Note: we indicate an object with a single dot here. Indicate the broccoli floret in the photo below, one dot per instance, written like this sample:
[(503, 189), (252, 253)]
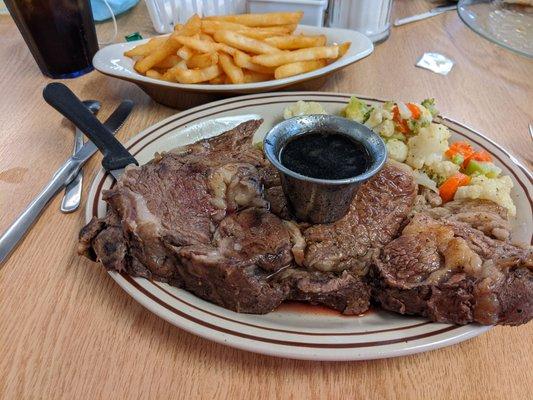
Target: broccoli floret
[(430, 105), (356, 110), (414, 125)]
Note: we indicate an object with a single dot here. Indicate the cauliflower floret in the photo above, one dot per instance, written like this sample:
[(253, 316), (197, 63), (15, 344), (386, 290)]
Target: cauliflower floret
[(356, 110), (421, 178), (425, 115), (385, 129), (375, 118), (428, 145), (496, 189), (397, 150), (441, 170), (380, 121), (303, 108)]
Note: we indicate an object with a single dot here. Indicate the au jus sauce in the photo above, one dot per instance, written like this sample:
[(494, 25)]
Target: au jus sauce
[(325, 155)]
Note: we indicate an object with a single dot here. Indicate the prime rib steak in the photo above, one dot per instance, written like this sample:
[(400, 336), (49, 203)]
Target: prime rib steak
[(450, 265), (211, 217)]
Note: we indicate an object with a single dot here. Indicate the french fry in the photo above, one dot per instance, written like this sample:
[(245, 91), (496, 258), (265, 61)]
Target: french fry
[(227, 49), (296, 42), (263, 33), (170, 46), (243, 60), (255, 34), (158, 55), (199, 45), (278, 29), (168, 62), (191, 27), (253, 76), (234, 72), (211, 27), (170, 74), (197, 75), (234, 49), (185, 52), (289, 28), (343, 48), (206, 37), (299, 67), (151, 73), (144, 49), (311, 53), (267, 19), (245, 43), (182, 65), (202, 60), (219, 80)]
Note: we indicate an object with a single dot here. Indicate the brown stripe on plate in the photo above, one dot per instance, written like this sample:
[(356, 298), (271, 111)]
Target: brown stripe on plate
[(289, 331), (197, 321)]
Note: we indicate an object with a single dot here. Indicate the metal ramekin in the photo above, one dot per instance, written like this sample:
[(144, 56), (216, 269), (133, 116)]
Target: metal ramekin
[(322, 200)]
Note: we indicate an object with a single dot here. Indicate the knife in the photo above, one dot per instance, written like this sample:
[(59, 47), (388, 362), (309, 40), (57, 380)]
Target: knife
[(65, 174), (116, 157), (428, 14)]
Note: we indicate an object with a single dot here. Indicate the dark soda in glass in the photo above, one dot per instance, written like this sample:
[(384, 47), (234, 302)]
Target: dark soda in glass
[(60, 34)]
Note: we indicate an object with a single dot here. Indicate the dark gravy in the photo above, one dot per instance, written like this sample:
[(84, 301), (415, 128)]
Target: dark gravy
[(325, 155)]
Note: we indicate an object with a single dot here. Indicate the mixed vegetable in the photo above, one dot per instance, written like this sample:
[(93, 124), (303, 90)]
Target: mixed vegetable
[(453, 170)]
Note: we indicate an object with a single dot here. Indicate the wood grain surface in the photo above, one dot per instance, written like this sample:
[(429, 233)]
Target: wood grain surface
[(67, 331)]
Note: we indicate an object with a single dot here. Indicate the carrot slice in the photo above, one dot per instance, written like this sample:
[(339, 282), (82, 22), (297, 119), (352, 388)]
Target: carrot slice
[(449, 187), (415, 111), (400, 123), (481, 155), (463, 148)]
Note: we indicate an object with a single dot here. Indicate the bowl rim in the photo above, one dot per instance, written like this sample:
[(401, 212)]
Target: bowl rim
[(360, 132)]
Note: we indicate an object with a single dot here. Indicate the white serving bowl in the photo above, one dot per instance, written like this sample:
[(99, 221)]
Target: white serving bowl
[(111, 61)]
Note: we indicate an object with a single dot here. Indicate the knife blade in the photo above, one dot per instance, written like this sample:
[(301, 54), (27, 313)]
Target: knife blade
[(65, 174), (116, 157), (428, 14), (116, 173)]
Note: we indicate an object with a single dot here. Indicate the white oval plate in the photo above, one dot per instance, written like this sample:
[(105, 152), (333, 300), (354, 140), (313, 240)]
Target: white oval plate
[(294, 331), (111, 61)]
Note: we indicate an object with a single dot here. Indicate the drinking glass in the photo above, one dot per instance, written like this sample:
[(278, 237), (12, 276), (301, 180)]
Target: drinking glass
[(370, 17), (59, 33)]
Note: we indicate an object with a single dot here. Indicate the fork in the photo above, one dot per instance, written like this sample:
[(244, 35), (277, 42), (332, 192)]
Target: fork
[(72, 197)]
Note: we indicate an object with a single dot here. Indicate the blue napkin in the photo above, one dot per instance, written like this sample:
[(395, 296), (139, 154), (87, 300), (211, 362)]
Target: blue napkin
[(101, 12)]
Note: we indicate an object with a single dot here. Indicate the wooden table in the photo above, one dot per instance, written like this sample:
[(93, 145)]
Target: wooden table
[(68, 331)]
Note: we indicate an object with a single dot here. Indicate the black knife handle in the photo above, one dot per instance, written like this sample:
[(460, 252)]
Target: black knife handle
[(63, 100)]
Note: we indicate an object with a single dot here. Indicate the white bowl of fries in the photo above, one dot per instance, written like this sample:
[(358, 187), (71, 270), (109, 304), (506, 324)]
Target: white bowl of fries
[(227, 55)]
